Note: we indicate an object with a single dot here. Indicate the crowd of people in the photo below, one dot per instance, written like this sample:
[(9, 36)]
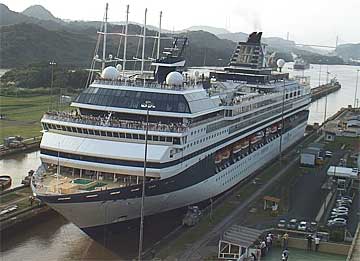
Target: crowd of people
[(114, 122)]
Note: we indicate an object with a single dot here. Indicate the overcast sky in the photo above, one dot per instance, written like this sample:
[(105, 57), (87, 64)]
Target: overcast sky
[(307, 21)]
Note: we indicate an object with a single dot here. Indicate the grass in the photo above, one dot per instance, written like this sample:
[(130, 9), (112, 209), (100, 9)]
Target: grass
[(23, 115)]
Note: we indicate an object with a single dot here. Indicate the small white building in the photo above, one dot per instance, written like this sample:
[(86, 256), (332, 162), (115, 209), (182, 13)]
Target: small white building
[(308, 157)]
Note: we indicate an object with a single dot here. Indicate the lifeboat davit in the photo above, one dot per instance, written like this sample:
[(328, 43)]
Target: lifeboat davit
[(5, 182), (226, 154), (237, 148), (218, 159)]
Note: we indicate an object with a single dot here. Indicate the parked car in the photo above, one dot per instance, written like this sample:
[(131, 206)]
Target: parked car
[(339, 216), (341, 209), (282, 223), (337, 222), (339, 213), (328, 154), (303, 225), (313, 226), (292, 224)]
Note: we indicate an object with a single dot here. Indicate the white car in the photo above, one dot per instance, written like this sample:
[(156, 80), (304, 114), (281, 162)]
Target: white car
[(341, 209), (302, 226), (282, 223)]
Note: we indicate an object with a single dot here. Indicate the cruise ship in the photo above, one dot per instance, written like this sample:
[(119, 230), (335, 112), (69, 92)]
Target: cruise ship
[(202, 137)]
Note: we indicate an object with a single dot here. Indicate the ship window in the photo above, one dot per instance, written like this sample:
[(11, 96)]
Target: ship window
[(291, 95), (116, 134), (73, 129), (97, 132), (109, 134), (142, 137), (68, 129), (149, 137), (63, 128), (168, 139), (298, 92), (136, 136), (287, 96), (176, 140), (128, 135), (85, 131), (122, 135), (162, 138), (133, 99), (80, 130), (156, 138)]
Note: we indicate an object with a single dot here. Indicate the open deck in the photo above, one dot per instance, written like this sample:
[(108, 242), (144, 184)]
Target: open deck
[(47, 181)]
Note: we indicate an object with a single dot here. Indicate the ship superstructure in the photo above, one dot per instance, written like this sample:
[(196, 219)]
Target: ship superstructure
[(201, 141)]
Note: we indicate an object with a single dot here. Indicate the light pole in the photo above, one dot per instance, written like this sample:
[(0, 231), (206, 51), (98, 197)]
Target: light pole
[(280, 63), (52, 63), (282, 121), (356, 86), (320, 73), (148, 105), (327, 82)]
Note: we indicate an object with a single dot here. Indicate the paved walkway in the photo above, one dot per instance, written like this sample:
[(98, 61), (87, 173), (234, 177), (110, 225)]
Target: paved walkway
[(302, 255), (355, 255)]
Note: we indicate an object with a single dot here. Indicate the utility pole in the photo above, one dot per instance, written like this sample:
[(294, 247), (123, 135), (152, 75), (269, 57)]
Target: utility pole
[(148, 105), (356, 86), (52, 63)]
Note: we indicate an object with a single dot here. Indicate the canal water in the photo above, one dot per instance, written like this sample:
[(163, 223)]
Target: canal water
[(53, 238)]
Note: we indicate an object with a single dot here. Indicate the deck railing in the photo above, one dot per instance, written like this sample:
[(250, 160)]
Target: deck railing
[(114, 122)]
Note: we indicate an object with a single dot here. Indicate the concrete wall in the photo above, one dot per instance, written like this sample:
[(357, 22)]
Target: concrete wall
[(325, 247)]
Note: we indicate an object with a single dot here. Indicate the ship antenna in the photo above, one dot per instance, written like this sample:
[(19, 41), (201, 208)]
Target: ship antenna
[(105, 32), (125, 39), (159, 35), (58, 170), (143, 47)]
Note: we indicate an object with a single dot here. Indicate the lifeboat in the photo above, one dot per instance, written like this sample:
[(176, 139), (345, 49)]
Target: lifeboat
[(273, 129), (253, 139), (245, 144), (226, 155), (5, 182), (237, 148), (218, 159)]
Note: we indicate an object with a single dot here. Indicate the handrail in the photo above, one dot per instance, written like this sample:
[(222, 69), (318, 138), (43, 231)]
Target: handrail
[(115, 123)]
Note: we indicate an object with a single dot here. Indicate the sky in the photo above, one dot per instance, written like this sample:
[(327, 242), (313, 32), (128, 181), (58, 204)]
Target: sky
[(307, 21)]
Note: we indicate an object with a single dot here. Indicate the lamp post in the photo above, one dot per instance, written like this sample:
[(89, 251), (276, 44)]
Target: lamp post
[(280, 63), (320, 73), (327, 82), (52, 63), (356, 86), (148, 105)]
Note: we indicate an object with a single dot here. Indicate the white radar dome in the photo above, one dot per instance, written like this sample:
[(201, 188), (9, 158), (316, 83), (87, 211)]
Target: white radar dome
[(118, 67), (174, 78), (280, 63), (110, 73)]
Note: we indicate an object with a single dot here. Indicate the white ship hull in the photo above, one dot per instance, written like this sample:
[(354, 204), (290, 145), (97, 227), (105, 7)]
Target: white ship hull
[(98, 213)]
